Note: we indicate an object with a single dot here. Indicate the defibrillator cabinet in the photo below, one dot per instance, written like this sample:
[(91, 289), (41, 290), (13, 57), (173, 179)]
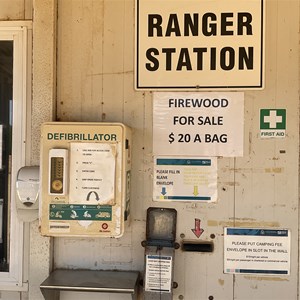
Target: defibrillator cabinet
[(85, 179)]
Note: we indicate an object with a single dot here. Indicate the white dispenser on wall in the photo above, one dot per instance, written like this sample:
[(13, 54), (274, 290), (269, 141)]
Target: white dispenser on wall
[(27, 190), (85, 179)]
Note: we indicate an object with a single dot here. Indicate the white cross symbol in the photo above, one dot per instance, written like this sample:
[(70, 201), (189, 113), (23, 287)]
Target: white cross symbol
[(273, 119)]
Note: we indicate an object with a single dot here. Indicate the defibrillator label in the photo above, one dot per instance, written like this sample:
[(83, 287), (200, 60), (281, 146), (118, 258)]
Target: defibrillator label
[(81, 136)]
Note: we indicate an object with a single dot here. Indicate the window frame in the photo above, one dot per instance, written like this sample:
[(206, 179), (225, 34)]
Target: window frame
[(20, 33)]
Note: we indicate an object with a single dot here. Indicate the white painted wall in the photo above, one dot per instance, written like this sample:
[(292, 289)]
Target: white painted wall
[(43, 109), (95, 83), (95, 62)]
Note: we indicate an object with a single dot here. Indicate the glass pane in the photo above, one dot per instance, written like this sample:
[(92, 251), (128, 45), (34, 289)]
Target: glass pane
[(6, 88)]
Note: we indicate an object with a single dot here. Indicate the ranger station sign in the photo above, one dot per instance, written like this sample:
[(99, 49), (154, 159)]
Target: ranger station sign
[(199, 44)]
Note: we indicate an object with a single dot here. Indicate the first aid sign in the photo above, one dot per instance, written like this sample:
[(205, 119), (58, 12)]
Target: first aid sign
[(207, 44)]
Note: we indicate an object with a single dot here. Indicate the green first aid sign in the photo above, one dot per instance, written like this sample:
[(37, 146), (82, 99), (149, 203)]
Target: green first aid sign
[(272, 118), (272, 123)]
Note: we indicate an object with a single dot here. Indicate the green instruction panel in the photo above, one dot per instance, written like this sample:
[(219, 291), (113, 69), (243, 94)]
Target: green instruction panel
[(80, 212)]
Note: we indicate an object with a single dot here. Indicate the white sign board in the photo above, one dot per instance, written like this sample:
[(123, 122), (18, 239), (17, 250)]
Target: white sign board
[(92, 173), (158, 277), (257, 251), (199, 44), (185, 179), (198, 124)]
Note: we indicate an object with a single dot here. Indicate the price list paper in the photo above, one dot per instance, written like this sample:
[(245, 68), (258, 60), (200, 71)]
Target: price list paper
[(205, 124)]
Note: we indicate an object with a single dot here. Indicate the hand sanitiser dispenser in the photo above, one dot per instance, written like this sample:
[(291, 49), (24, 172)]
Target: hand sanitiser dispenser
[(85, 179), (27, 189)]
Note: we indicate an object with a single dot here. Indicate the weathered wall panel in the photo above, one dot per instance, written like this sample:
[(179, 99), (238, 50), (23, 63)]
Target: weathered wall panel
[(268, 174), (43, 109), (15, 10), (79, 91), (95, 83)]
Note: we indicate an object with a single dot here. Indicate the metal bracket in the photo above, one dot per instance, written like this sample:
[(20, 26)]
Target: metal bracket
[(124, 282)]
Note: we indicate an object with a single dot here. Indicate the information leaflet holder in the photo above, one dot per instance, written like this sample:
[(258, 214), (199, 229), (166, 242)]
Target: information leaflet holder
[(85, 179), (160, 248)]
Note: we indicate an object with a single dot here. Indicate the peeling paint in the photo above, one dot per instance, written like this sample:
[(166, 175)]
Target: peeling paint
[(246, 223), (242, 219), (278, 205), (221, 282), (191, 206), (250, 142), (265, 278), (231, 183), (212, 223), (274, 170), (254, 287), (243, 170), (78, 240), (254, 170)]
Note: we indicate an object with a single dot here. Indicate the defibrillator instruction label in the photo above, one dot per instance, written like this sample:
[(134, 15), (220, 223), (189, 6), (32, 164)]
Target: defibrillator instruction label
[(80, 212), (257, 251), (92, 173)]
